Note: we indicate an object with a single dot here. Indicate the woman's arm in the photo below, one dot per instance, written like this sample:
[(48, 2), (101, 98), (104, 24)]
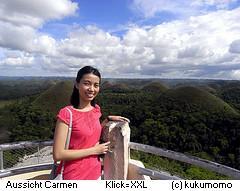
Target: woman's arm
[(59, 151)]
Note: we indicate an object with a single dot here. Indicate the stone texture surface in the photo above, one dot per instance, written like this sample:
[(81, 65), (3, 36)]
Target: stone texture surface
[(116, 161), (133, 170)]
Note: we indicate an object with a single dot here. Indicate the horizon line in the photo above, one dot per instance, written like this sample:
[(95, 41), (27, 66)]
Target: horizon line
[(122, 78)]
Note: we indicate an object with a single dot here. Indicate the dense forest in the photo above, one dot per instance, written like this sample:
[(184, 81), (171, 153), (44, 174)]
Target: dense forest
[(198, 117)]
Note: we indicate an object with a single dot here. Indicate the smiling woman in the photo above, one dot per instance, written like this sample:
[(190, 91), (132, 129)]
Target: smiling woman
[(88, 87), (81, 158)]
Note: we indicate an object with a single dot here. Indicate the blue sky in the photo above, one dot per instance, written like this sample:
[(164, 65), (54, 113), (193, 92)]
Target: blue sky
[(122, 38)]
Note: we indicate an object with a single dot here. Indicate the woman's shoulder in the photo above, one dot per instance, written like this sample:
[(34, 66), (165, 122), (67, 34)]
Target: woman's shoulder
[(97, 107), (65, 110), (64, 114)]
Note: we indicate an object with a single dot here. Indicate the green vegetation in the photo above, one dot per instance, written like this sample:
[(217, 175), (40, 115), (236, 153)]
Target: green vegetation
[(4, 103), (18, 88), (155, 87), (55, 97), (200, 118), (196, 97), (175, 168)]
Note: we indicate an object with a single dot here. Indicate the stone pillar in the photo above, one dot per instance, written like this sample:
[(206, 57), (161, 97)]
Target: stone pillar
[(115, 162), (133, 171)]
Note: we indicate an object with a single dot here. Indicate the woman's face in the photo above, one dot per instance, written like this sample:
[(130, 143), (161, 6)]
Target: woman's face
[(88, 87)]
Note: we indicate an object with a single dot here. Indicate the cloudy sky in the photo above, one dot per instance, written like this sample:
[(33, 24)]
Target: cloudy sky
[(122, 38)]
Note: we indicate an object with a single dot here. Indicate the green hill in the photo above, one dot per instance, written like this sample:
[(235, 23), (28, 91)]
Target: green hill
[(16, 89), (155, 87), (198, 98), (185, 119), (231, 95), (209, 89), (55, 97), (115, 87)]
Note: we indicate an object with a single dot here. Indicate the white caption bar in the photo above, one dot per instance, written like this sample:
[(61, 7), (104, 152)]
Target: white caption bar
[(121, 185)]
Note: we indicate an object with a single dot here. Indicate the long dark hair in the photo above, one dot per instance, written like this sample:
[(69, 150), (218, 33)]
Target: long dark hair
[(75, 94)]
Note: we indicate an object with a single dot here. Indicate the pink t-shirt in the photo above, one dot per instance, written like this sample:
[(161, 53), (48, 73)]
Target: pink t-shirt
[(86, 132)]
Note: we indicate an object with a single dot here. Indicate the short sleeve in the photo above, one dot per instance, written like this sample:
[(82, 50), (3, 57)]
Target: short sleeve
[(97, 107), (64, 115), (98, 110)]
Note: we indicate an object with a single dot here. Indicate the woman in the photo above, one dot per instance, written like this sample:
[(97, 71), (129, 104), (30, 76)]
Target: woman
[(81, 159)]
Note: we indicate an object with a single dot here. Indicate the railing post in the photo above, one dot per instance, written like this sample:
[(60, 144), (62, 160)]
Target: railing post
[(1, 160), (38, 154), (116, 161)]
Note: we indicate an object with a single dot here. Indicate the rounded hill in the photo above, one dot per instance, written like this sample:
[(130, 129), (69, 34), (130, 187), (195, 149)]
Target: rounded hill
[(55, 97), (208, 89), (232, 96), (115, 87), (199, 99), (155, 87)]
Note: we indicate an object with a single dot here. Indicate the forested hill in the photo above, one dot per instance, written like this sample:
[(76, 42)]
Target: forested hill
[(200, 117)]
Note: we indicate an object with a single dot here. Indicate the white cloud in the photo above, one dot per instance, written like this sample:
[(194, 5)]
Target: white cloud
[(219, 4), (16, 37), (200, 46), (235, 74), (235, 46), (34, 13), (44, 44), (192, 47), (89, 42), (17, 59), (20, 21), (93, 46), (150, 8), (25, 38)]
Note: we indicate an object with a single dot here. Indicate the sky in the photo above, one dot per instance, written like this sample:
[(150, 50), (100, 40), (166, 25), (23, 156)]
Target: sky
[(122, 38)]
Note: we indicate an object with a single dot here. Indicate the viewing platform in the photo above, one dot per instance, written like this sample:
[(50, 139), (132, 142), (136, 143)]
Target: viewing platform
[(32, 160)]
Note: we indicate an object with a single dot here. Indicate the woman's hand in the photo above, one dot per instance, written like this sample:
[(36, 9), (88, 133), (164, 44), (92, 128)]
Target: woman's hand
[(117, 118), (101, 148)]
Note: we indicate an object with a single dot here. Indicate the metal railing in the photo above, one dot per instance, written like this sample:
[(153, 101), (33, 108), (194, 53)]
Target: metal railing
[(213, 166), (33, 153), (10, 164), (24, 169)]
